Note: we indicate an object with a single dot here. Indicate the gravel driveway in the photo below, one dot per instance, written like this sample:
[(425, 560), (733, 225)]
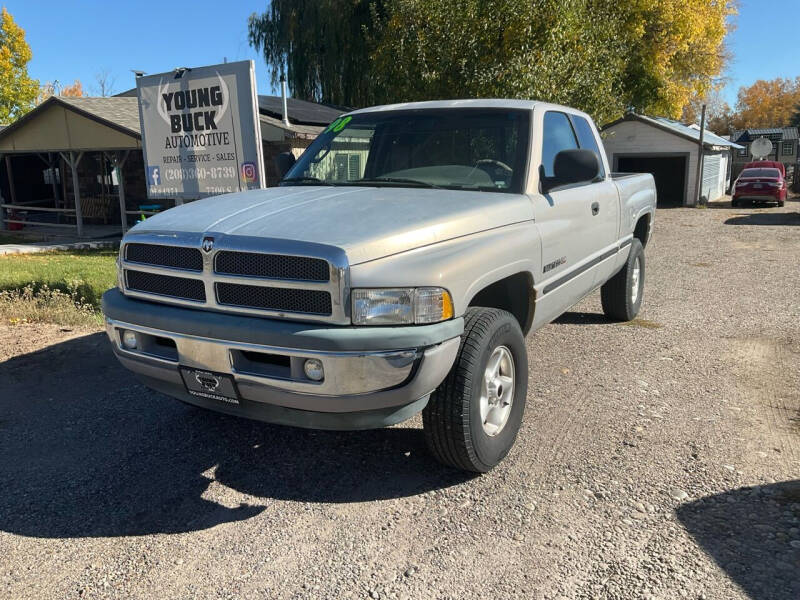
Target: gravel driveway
[(658, 459)]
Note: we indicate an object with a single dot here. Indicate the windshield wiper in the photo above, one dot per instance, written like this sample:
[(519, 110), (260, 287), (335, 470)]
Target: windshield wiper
[(416, 182), (314, 180)]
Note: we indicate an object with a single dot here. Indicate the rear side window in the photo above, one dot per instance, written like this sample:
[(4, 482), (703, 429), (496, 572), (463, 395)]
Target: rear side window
[(586, 139), (557, 135)]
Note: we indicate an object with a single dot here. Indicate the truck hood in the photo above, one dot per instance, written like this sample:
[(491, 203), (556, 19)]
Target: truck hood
[(366, 222)]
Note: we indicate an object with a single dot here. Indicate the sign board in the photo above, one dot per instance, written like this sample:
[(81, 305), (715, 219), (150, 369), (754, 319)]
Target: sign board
[(200, 131)]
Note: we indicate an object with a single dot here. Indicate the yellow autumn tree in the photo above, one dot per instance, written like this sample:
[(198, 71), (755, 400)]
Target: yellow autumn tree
[(767, 103), (677, 51), (17, 90), (75, 90)]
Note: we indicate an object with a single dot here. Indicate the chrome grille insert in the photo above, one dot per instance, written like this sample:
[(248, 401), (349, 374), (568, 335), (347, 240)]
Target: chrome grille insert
[(271, 266), (165, 285), (175, 257)]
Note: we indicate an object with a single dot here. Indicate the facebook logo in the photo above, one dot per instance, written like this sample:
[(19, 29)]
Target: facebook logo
[(154, 175)]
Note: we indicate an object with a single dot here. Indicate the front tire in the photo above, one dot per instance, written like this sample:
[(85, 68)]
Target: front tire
[(621, 295), (472, 419)]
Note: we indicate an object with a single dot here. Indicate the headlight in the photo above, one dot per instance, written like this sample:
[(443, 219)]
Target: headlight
[(401, 306)]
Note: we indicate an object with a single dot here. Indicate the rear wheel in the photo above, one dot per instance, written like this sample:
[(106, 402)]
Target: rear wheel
[(621, 295), (734, 203), (472, 419)]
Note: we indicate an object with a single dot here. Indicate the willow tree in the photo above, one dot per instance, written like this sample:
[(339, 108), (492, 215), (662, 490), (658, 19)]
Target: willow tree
[(321, 45), (17, 90)]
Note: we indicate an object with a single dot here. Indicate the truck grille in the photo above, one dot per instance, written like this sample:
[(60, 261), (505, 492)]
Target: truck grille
[(271, 298), (176, 257), (238, 279), (271, 266), (166, 285)]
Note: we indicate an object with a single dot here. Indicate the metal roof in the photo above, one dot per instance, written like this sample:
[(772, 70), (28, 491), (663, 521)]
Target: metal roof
[(748, 135), (301, 112), (690, 132)]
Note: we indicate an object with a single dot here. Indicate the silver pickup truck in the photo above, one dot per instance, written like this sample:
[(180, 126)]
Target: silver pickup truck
[(396, 269)]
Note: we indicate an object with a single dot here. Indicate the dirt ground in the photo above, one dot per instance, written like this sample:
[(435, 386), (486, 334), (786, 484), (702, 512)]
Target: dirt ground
[(658, 459)]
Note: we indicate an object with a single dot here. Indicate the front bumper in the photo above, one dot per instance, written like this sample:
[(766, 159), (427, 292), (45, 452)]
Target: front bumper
[(373, 376)]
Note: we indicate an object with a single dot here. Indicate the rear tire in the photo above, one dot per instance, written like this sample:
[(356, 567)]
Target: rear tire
[(621, 295), (734, 203), (780, 203), (472, 419)]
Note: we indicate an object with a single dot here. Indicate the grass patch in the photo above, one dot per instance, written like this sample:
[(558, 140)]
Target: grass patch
[(56, 287), (644, 323)]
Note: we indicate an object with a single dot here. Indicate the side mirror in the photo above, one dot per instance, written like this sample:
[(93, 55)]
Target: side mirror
[(283, 162), (572, 166)]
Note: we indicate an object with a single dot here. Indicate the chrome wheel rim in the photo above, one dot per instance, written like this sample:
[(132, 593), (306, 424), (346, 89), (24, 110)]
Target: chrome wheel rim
[(635, 280), (497, 391)]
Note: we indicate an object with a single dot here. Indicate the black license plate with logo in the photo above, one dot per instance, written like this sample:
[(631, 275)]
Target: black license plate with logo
[(207, 384)]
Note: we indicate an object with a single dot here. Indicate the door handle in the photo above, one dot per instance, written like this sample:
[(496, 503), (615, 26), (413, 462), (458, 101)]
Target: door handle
[(595, 208)]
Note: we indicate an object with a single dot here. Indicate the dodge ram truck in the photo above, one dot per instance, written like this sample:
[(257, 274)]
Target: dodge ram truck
[(395, 269)]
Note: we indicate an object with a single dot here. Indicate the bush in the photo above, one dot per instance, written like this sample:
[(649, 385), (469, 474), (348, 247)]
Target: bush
[(42, 304)]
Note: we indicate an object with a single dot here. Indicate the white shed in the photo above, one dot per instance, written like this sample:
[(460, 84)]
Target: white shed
[(669, 150)]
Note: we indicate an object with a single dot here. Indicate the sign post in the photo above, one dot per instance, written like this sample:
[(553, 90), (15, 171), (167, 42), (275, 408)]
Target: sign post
[(200, 131)]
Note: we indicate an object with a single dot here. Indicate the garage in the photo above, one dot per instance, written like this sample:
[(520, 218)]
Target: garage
[(670, 150), (670, 173)]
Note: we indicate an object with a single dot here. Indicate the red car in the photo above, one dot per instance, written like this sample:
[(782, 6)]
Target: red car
[(759, 185)]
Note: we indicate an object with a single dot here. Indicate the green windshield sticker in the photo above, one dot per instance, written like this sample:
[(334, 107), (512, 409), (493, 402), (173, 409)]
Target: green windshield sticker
[(332, 125), (338, 124)]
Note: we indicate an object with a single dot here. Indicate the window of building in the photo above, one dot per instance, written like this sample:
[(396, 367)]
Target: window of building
[(743, 151), (788, 148)]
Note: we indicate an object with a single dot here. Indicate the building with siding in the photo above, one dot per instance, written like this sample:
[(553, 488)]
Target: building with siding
[(670, 151), (76, 161), (784, 147)]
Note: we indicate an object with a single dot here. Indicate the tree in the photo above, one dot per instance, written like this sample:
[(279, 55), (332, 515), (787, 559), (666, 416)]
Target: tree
[(767, 103), (603, 56), (74, 91), (104, 83), (676, 51), (794, 121), (17, 90), (719, 115), (320, 45)]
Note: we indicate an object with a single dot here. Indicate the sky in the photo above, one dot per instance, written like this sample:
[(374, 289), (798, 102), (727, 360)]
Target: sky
[(78, 39)]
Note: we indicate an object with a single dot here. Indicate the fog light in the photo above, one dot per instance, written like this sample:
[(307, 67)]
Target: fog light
[(129, 339), (313, 369)]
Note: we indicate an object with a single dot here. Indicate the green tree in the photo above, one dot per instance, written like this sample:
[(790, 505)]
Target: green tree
[(603, 56), (321, 45), (17, 90)]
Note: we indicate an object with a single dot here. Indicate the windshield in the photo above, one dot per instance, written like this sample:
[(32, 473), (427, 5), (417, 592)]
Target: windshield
[(760, 173), (472, 149)]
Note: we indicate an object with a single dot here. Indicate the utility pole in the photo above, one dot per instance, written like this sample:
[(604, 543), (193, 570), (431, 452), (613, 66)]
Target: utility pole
[(699, 179)]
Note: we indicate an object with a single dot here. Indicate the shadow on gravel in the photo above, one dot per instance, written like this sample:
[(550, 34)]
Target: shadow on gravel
[(764, 218), (582, 318), (86, 451), (752, 534)]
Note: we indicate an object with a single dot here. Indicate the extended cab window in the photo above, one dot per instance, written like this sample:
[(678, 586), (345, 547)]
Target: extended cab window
[(472, 149), (586, 139), (557, 135)]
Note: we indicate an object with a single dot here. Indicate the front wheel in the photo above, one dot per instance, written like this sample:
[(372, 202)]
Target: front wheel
[(621, 295), (472, 419)]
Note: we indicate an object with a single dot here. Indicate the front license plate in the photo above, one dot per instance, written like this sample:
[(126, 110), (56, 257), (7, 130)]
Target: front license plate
[(206, 384)]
